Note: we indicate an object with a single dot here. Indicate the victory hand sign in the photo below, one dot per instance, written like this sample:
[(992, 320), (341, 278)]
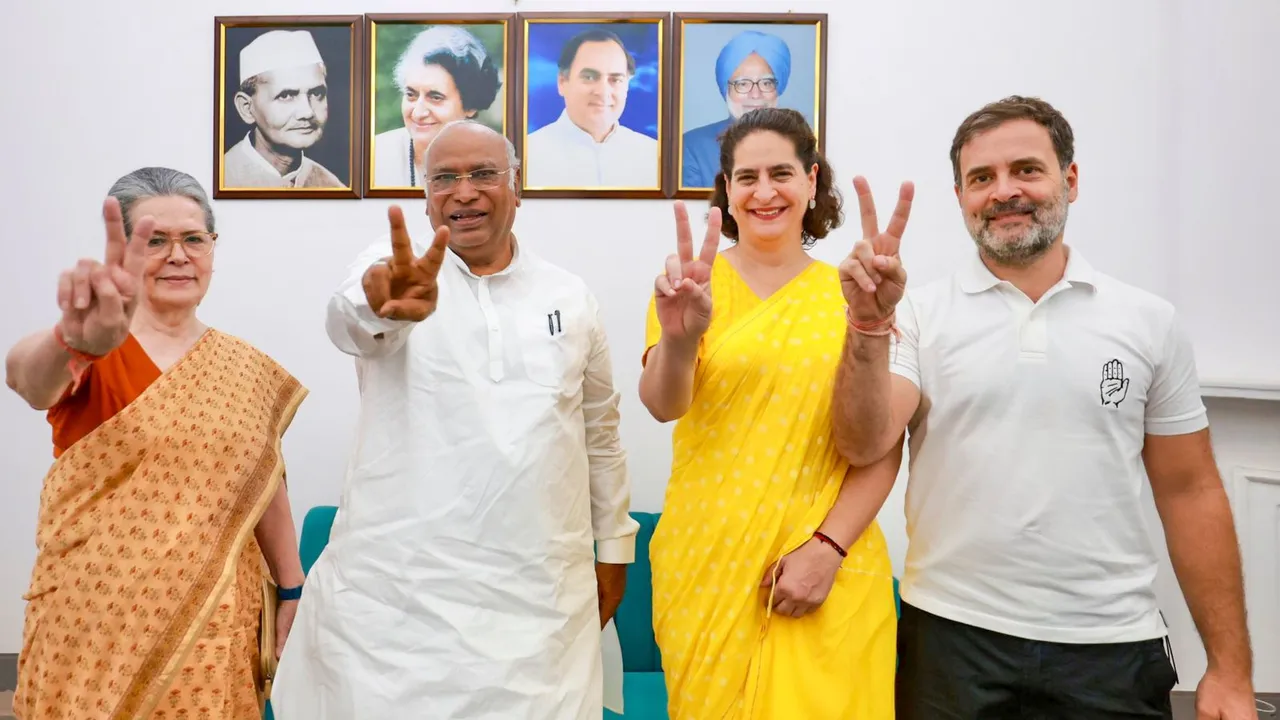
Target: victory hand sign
[(403, 287), (98, 299), (683, 292), (872, 277)]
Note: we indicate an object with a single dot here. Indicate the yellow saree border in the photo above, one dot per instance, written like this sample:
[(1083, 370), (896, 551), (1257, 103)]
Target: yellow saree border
[(187, 625)]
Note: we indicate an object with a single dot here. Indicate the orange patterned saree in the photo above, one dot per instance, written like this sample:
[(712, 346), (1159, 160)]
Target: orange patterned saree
[(147, 594)]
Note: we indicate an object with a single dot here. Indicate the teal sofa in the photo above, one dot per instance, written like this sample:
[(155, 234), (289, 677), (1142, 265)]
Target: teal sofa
[(644, 690)]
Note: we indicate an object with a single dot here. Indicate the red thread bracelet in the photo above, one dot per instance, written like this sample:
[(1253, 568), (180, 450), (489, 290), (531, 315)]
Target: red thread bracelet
[(822, 537), (80, 355), (880, 328), (80, 360)]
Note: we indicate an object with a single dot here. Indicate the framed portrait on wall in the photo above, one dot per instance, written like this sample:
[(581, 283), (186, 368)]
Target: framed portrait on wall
[(425, 71), (592, 104), (729, 64), (286, 94)]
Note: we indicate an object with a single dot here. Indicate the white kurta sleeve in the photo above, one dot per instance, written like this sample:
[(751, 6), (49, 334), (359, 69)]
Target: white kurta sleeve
[(614, 528), (350, 322)]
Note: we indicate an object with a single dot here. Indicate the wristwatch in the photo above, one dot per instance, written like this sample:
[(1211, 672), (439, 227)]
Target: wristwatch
[(293, 593)]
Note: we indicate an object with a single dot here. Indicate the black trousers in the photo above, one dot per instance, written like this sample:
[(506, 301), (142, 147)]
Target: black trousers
[(951, 671)]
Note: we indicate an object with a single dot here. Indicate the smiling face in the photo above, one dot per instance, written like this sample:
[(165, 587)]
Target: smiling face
[(477, 218), (1014, 193), (430, 100), (753, 72), (174, 278), (769, 189), (595, 86)]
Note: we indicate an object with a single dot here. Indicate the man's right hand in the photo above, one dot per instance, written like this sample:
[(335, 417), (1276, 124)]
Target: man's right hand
[(872, 277), (683, 292), (98, 299), (403, 287)]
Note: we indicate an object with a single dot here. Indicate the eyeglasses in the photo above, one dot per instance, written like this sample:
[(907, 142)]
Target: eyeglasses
[(744, 86), (486, 179), (194, 244)]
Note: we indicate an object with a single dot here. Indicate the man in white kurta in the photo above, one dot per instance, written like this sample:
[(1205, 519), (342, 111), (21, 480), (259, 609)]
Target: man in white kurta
[(460, 582)]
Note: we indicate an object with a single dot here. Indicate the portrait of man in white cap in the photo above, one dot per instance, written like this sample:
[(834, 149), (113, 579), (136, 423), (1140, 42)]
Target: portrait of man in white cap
[(284, 97)]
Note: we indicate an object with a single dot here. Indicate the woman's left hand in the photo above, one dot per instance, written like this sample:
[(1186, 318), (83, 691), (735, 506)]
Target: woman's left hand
[(804, 577), (285, 613)]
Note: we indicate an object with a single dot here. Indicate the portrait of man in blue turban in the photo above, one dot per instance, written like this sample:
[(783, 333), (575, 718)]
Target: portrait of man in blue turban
[(752, 71)]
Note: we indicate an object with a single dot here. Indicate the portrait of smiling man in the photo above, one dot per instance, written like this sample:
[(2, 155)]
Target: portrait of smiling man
[(483, 536), (587, 145), (284, 97)]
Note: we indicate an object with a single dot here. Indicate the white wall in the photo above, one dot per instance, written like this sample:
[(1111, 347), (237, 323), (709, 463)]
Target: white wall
[(120, 85)]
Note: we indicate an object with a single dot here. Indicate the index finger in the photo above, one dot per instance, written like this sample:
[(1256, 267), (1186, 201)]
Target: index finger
[(898, 223), (401, 245), (113, 219), (684, 236), (431, 262), (711, 242), (866, 208)]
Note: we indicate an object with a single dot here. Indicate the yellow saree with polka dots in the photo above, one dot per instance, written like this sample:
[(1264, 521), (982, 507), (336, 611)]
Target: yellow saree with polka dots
[(147, 591), (754, 473)]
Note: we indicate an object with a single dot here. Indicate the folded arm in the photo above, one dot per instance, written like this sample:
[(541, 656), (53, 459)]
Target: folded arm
[(666, 382), (861, 496), (37, 369), (874, 398), (614, 528), (351, 324)]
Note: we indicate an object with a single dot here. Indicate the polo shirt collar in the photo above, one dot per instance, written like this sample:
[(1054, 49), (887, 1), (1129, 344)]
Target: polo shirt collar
[(976, 278)]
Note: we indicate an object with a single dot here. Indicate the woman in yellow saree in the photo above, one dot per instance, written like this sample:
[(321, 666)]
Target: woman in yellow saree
[(773, 589), (149, 597)]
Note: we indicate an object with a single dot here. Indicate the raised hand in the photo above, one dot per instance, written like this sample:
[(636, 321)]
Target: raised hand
[(683, 292), (403, 287), (872, 277), (98, 299)]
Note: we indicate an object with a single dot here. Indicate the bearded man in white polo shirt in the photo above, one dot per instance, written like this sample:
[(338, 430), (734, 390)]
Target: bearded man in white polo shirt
[(1035, 391)]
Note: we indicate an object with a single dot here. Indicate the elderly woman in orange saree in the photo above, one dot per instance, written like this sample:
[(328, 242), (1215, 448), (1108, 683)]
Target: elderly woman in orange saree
[(149, 597), (772, 585)]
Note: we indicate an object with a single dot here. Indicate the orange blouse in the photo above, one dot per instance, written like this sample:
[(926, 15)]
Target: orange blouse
[(108, 386)]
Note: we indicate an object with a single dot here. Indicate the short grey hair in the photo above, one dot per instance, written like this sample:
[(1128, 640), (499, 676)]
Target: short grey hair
[(152, 182), (513, 159)]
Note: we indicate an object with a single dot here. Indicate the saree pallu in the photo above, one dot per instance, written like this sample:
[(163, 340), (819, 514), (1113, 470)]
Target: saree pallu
[(754, 473), (146, 596)]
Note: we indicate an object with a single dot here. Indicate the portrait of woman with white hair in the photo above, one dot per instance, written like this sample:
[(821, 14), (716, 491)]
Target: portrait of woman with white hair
[(426, 76)]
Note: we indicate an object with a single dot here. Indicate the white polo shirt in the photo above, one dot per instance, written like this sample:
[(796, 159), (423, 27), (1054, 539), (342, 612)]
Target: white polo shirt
[(1023, 504)]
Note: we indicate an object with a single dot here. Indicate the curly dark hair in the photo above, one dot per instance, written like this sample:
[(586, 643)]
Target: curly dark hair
[(827, 213)]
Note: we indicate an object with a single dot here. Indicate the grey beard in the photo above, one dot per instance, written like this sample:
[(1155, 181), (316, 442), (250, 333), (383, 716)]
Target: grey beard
[(1047, 223)]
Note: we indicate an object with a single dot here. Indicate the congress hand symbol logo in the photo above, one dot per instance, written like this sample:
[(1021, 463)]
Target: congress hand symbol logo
[(1115, 386)]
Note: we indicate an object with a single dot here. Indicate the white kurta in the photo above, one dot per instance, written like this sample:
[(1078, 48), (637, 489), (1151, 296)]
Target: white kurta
[(244, 167), (459, 579), (391, 160), (563, 155)]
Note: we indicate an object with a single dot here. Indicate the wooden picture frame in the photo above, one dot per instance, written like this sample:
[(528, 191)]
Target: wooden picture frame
[(473, 63), (701, 48), (558, 158), (296, 134)]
